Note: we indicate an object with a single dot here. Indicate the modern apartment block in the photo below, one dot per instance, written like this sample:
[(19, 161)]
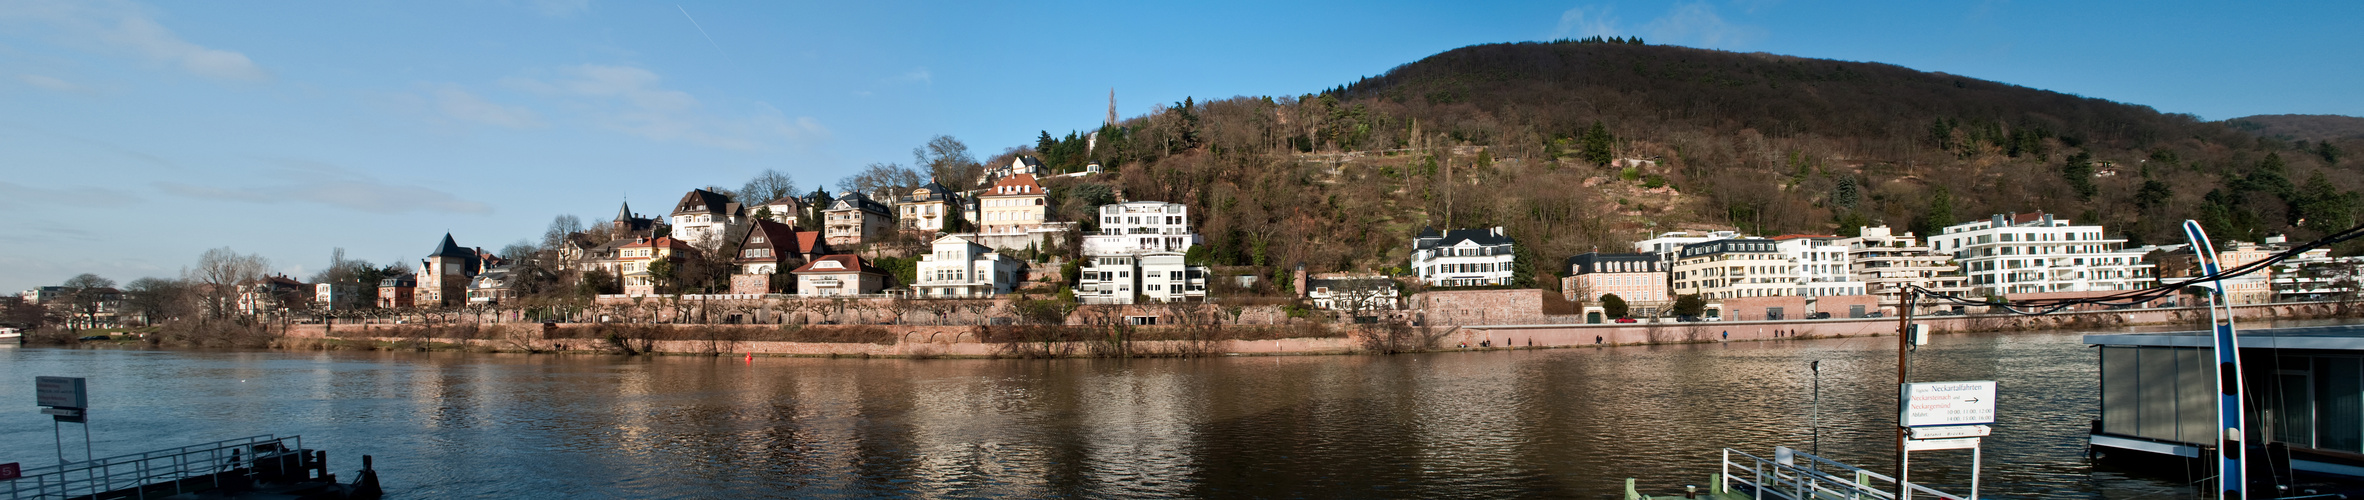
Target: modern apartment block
[(2037, 253), (1886, 263), (1820, 265), (1138, 255)]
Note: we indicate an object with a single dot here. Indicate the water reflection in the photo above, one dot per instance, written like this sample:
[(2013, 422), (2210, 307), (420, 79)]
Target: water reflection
[(1554, 423)]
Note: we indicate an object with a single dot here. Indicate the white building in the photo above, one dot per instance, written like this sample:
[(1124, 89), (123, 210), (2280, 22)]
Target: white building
[(704, 218), (1734, 268), (928, 208), (2036, 253), (1139, 254), (1820, 265), (1354, 293), (1887, 262), (1139, 277), (1141, 226), (1666, 245), (1462, 257), (959, 268)]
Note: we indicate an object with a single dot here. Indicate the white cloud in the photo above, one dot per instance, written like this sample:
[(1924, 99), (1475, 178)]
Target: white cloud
[(124, 27), (1586, 21), (50, 82), (459, 104), (631, 100), (323, 184), (1698, 24), (1694, 24)]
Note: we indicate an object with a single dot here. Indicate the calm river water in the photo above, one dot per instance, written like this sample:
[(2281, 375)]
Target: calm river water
[(1548, 423)]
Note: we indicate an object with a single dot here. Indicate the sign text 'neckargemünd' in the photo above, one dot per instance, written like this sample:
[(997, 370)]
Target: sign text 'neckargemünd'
[(1948, 403)]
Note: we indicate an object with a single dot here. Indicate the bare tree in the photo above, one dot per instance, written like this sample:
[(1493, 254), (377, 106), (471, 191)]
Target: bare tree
[(219, 273), (767, 186), (948, 160), (87, 292), (887, 178), (561, 227)]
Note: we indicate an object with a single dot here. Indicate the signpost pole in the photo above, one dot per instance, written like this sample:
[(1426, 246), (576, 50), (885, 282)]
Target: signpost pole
[(1904, 322), (59, 430), (1976, 456)]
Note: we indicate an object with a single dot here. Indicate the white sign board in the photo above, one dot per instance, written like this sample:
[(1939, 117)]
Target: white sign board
[(1952, 431), (61, 392), (1948, 403), (1940, 444)]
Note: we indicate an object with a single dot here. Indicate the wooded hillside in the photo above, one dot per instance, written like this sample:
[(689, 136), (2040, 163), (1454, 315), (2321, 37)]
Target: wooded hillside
[(1537, 136)]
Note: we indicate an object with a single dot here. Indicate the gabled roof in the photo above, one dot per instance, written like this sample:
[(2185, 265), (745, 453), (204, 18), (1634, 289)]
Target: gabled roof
[(808, 242), (1017, 185), (450, 248), (780, 237), (1489, 237), (855, 201), (700, 201), (929, 192), (840, 263), (1029, 161), (790, 200)]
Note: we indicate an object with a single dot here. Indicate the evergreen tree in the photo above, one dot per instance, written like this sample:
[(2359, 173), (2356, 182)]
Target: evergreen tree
[(1595, 145), (1940, 213), (1614, 306), (2079, 174)]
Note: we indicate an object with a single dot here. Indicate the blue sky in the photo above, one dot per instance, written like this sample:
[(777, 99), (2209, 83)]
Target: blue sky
[(134, 135)]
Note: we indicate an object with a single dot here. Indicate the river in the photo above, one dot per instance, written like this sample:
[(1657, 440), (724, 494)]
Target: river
[(1563, 423)]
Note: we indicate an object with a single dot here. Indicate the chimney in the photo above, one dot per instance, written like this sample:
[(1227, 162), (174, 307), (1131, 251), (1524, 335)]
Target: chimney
[(2002, 220), (1299, 279), (2047, 220)]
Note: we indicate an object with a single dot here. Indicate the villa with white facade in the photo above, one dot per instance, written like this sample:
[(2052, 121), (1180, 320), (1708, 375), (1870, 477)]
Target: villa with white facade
[(1462, 257), (959, 268)]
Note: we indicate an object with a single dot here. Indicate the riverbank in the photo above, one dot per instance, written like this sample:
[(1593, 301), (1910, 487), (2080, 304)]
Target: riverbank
[(1050, 341)]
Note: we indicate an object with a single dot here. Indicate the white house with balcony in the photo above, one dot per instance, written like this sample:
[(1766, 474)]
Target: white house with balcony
[(1141, 226), (1462, 257), (704, 218), (959, 268), (2036, 253), (1139, 255), (1819, 264)]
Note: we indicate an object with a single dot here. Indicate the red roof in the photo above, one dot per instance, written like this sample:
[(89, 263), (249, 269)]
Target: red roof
[(1016, 185), (840, 263), (810, 241), (2019, 218)]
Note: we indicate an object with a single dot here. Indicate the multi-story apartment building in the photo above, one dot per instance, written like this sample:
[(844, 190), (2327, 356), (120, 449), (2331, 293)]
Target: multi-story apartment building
[(1141, 226), (2036, 253), (1463, 257), (2316, 275), (704, 218), (1820, 265), (637, 256), (1139, 254), (1667, 244), (1013, 204), (959, 268), (1637, 278), (1734, 268), (852, 219), (930, 207), (1886, 263)]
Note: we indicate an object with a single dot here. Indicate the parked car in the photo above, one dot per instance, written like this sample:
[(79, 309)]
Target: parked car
[(1687, 319), (1625, 320), (1819, 315)]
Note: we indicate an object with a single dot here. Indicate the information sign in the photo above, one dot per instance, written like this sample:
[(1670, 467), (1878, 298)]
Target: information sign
[(61, 392), (1952, 431), (1948, 403), (11, 470), (1940, 444)]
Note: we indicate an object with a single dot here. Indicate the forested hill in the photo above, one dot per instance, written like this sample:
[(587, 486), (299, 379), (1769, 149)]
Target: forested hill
[(1537, 137)]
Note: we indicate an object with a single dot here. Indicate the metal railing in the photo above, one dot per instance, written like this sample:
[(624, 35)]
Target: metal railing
[(154, 474), (1810, 477)]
